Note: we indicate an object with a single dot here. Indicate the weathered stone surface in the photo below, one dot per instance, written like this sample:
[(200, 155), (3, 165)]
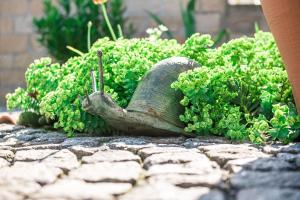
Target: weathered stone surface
[(221, 153), (127, 172), (261, 164), (268, 194), (39, 147), (36, 172), (111, 156), (8, 128), (63, 159), (204, 140), (83, 141), (24, 134), (76, 189), (33, 155), (3, 162), (183, 180), (81, 151), (12, 142), (7, 155), (191, 168), (248, 179), (146, 152), (32, 163), (49, 138), (182, 157), (9, 195), (132, 144), (19, 186), (165, 191), (293, 148)]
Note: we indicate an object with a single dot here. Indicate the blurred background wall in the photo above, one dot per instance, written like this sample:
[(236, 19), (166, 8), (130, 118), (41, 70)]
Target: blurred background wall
[(18, 45)]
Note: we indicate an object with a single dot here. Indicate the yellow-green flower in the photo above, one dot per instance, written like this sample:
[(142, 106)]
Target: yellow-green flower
[(99, 2)]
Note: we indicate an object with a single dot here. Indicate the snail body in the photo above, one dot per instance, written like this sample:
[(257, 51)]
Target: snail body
[(154, 108)]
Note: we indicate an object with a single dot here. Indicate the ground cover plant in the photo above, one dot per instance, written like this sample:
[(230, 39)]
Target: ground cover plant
[(241, 91)]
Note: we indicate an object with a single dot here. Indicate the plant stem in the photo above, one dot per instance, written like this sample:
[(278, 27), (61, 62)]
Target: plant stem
[(113, 35), (120, 31), (89, 35), (75, 50)]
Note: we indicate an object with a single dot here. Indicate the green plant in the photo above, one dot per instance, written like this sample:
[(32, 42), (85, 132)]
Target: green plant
[(241, 91), (188, 17), (67, 25), (58, 89)]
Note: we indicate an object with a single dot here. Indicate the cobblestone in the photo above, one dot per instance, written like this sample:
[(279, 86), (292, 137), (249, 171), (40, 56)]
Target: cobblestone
[(38, 164)]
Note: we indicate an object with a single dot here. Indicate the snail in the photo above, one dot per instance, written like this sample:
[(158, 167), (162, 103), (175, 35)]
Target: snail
[(154, 108)]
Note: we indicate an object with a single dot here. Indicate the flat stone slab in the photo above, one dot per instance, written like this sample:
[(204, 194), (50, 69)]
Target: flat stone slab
[(111, 156), (174, 158), (33, 155), (249, 179), (164, 191), (40, 164), (77, 190), (121, 172), (268, 194), (222, 153), (36, 172), (63, 159)]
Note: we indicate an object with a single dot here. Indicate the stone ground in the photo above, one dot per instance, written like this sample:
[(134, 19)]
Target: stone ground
[(39, 164)]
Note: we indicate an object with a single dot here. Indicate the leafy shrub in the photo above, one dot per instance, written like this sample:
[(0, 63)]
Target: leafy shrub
[(67, 25), (58, 88), (242, 92)]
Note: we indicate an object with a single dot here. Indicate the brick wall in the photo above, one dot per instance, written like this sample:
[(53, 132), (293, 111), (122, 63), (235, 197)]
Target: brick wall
[(18, 45)]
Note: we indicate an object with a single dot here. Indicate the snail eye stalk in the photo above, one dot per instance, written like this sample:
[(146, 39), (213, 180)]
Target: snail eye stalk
[(94, 86), (88, 98), (101, 76)]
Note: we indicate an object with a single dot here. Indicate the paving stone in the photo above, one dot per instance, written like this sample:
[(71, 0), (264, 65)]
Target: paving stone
[(204, 140), (130, 143), (126, 172), (261, 164), (221, 153), (19, 186), (63, 159), (7, 155), (81, 151), (39, 147), (111, 156), (297, 162), (268, 194), (24, 134), (49, 138), (288, 156), (12, 142), (165, 191), (183, 180), (36, 172), (3, 163), (249, 179), (33, 155), (166, 140), (190, 168), (82, 141), (77, 189), (146, 152), (168, 158), (8, 128), (272, 149), (10, 195), (293, 148)]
